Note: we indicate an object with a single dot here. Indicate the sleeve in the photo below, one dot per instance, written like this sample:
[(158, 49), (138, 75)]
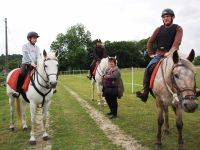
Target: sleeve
[(151, 41), (178, 37), (38, 52), (104, 53), (26, 54), (95, 54), (114, 75)]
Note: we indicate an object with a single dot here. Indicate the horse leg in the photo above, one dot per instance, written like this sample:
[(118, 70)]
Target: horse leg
[(179, 125), (23, 109), (99, 94), (166, 129), (11, 102), (44, 113), (32, 140), (160, 121), (93, 89)]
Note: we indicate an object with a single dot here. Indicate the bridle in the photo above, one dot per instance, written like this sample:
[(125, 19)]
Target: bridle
[(175, 90), (36, 75), (45, 68)]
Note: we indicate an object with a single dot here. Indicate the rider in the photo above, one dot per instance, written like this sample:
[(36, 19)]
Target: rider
[(99, 52), (31, 52), (167, 37)]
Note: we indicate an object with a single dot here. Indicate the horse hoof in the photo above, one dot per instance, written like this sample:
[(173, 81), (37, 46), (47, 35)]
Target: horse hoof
[(12, 129), (157, 146), (45, 138), (32, 142)]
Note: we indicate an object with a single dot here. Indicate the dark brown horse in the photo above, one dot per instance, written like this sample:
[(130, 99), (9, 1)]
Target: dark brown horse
[(174, 85)]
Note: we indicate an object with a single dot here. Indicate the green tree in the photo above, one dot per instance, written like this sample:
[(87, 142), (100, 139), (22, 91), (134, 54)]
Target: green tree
[(73, 48), (197, 61)]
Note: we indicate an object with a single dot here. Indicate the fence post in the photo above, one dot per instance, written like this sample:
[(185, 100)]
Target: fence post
[(132, 79)]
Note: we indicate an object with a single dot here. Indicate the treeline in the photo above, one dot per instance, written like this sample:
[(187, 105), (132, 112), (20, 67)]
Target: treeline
[(75, 48), (75, 51), (13, 61)]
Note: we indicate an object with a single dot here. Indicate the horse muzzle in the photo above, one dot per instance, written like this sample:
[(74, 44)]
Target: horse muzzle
[(53, 84), (189, 104)]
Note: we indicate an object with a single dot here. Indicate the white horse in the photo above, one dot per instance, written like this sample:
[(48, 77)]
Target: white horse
[(40, 91), (100, 71)]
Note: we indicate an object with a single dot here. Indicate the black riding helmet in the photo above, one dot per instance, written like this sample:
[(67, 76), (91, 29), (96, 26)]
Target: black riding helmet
[(32, 34), (168, 11)]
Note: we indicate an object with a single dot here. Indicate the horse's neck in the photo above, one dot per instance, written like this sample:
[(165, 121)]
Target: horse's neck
[(103, 66), (166, 68)]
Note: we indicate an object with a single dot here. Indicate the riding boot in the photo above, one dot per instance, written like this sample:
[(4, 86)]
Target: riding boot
[(146, 81), (92, 66)]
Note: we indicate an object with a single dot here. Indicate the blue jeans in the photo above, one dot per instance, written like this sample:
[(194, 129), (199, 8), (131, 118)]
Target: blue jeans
[(149, 70), (156, 59)]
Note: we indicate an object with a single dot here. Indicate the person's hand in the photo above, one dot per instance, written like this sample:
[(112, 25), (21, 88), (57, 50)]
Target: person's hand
[(33, 65), (166, 54), (153, 55)]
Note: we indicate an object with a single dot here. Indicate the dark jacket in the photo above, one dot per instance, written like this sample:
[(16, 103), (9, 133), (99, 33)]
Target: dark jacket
[(99, 53), (174, 45), (115, 77)]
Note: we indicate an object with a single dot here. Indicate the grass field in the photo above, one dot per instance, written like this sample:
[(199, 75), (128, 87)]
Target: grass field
[(72, 128)]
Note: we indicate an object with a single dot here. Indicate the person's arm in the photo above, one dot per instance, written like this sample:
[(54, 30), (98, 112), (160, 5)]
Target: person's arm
[(151, 41), (104, 53), (27, 55), (95, 54), (178, 37), (114, 75)]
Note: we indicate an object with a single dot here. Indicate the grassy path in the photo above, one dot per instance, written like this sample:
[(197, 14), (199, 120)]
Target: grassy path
[(112, 131), (138, 119)]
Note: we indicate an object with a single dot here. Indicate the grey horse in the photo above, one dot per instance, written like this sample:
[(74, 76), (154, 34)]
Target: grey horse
[(174, 85)]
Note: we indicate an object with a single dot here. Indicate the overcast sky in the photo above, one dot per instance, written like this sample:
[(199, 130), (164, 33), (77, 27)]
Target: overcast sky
[(113, 20)]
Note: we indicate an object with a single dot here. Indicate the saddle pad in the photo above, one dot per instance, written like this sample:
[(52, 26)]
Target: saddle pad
[(95, 69), (153, 75), (12, 82)]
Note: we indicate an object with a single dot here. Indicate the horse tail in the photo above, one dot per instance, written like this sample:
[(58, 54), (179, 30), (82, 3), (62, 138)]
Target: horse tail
[(18, 108)]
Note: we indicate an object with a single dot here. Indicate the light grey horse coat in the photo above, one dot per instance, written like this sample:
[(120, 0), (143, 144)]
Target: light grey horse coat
[(174, 85)]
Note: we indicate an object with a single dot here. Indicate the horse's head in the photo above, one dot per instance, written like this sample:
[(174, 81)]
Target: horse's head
[(183, 81), (50, 67)]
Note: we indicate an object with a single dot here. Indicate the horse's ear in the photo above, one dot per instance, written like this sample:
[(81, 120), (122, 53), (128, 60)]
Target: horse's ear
[(191, 55), (175, 57), (44, 53), (57, 53)]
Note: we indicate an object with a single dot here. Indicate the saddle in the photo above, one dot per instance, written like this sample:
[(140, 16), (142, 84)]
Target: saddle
[(12, 82), (153, 75)]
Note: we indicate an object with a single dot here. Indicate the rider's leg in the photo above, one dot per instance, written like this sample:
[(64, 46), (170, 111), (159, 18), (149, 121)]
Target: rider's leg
[(146, 81), (92, 66), (24, 70)]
